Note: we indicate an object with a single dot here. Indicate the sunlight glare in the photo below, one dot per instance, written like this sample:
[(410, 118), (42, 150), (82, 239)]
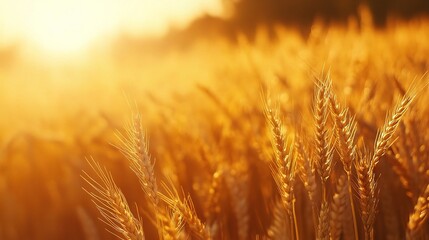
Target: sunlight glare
[(66, 28), (72, 25)]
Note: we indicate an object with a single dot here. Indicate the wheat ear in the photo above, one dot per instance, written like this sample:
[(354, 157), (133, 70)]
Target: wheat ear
[(212, 207), (172, 225), (278, 227), (284, 165), (134, 146), (112, 204), (419, 216), (237, 180), (346, 127), (368, 193), (346, 130), (384, 137), (185, 208), (323, 150), (307, 174), (338, 207), (399, 166), (323, 227)]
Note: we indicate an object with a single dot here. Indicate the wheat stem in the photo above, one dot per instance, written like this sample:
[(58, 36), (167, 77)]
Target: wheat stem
[(295, 220), (352, 205)]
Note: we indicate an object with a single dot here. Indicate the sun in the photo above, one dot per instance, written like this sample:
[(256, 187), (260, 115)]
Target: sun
[(66, 28), (61, 35)]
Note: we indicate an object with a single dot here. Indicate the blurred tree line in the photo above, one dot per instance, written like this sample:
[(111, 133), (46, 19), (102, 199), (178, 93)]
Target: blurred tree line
[(303, 12), (244, 16)]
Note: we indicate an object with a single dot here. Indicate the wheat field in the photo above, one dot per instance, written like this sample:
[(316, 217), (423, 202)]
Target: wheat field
[(276, 136)]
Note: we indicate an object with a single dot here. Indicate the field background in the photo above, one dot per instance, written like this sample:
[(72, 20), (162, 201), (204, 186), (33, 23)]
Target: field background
[(200, 95)]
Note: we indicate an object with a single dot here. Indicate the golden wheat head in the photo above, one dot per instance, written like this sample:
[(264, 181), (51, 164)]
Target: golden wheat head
[(112, 204)]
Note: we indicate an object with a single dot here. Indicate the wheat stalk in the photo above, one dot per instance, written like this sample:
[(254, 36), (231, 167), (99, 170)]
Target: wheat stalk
[(284, 164), (346, 128), (135, 147), (112, 205), (283, 167)]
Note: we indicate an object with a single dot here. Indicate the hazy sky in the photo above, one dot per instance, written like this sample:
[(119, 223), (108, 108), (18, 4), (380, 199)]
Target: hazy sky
[(79, 21)]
